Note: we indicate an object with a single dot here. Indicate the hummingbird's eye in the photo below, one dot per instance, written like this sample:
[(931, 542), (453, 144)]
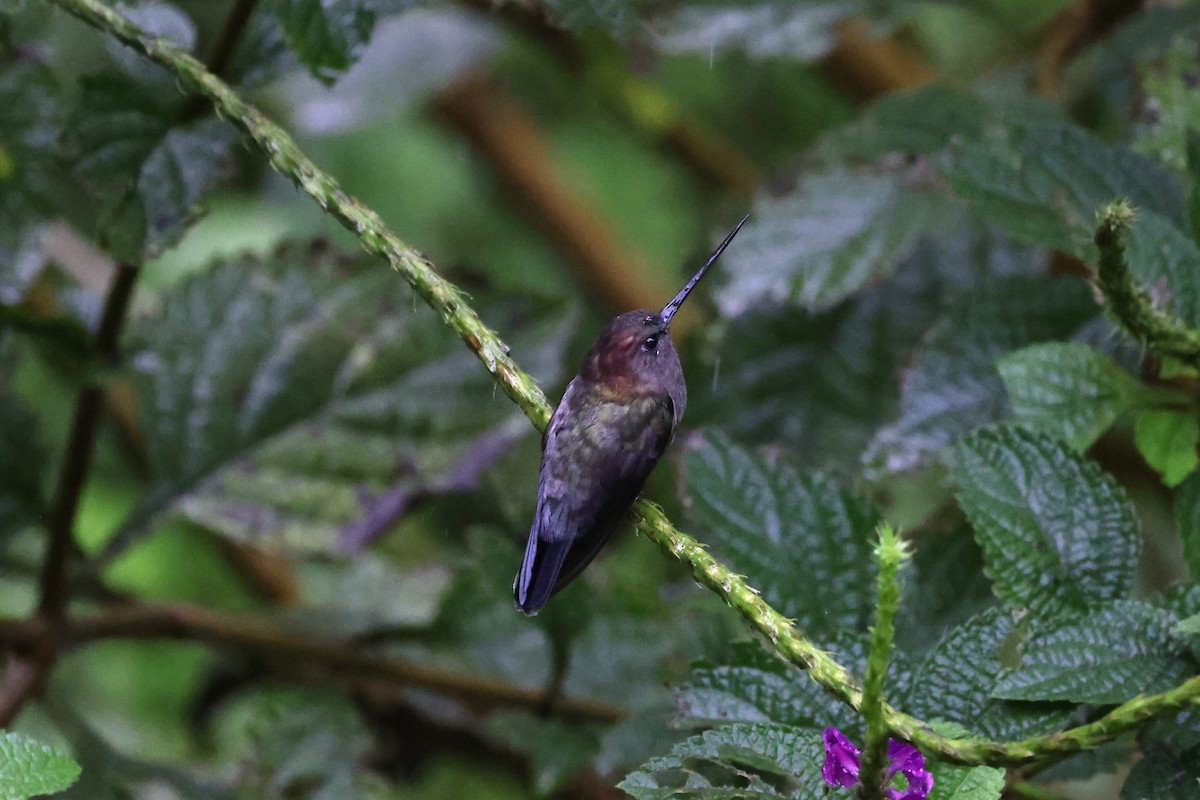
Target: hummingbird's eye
[(651, 343)]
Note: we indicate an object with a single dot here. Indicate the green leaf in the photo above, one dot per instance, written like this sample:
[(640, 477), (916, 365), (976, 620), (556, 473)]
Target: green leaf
[(735, 761), (953, 386), (1042, 182), (1066, 389), (822, 242), (31, 165), (755, 686), (318, 419), (1163, 258), (958, 678), (22, 467), (1188, 627), (803, 32), (944, 589), (149, 173), (786, 533), (1187, 519), (849, 358), (952, 782), (1106, 656), (327, 35), (1168, 439), (919, 121), (29, 768), (1163, 775), (1056, 531)]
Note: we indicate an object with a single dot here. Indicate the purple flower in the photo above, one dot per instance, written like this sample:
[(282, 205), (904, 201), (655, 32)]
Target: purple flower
[(842, 764)]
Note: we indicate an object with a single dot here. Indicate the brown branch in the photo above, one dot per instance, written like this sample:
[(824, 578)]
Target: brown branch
[(329, 660), (865, 68), (16, 687), (80, 444)]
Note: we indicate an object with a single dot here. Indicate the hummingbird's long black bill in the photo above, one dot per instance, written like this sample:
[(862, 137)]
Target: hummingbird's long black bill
[(670, 308)]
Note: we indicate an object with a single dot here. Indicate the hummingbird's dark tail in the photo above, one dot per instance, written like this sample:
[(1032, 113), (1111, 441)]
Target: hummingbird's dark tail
[(538, 577)]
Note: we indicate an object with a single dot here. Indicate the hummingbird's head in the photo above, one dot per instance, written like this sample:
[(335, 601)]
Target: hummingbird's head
[(635, 353)]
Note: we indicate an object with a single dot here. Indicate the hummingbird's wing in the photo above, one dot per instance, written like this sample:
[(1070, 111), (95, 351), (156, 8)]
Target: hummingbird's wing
[(598, 454)]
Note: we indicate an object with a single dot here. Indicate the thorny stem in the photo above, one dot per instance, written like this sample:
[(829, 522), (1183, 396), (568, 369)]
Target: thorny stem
[(1162, 332), (890, 554), (449, 302)]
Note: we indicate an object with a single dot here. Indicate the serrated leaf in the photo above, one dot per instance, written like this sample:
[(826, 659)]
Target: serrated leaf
[(803, 32), (788, 534), (918, 121), (953, 387), (742, 761), (1168, 440), (755, 686), (1187, 518), (328, 36), (28, 767), (958, 678), (22, 466), (1066, 389), (822, 242), (1107, 656), (289, 399), (176, 174), (1163, 775), (149, 172), (849, 358), (1056, 531), (1043, 182)]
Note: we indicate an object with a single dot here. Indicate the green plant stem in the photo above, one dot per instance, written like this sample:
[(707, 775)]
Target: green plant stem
[(449, 302), (1162, 332), (890, 554)]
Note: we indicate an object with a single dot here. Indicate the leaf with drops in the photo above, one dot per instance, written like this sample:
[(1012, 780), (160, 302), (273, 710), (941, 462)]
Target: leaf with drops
[(28, 767)]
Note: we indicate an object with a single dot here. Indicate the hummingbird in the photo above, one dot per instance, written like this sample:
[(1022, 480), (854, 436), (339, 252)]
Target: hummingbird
[(612, 425)]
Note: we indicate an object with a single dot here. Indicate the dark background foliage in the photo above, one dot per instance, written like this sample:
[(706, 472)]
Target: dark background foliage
[(260, 510)]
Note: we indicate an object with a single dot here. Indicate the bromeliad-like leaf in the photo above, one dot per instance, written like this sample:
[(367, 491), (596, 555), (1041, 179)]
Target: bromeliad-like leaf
[(327, 35), (824, 241), (1066, 389), (736, 761), (800, 31), (1056, 531), (1042, 182), (28, 767), (958, 678), (803, 541), (1106, 656), (953, 387)]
